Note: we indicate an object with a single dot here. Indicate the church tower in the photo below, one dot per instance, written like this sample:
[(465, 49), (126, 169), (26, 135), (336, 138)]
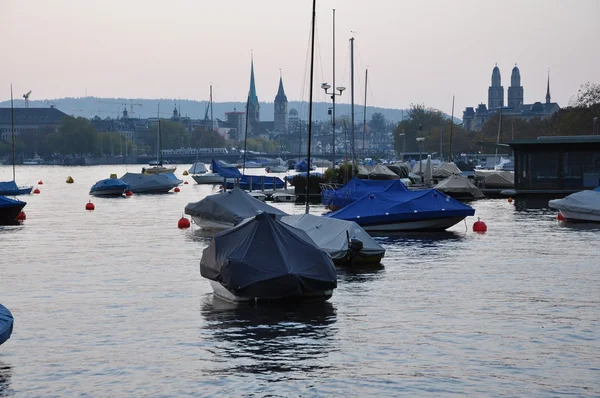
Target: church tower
[(496, 91), (548, 98), (515, 91), (253, 107), (281, 109)]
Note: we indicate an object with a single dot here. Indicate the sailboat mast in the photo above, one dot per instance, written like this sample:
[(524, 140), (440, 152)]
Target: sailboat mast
[(12, 129), (352, 99), (245, 136), (333, 96), (160, 160), (365, 114), (212, 125), (310, 101), (451, 126)]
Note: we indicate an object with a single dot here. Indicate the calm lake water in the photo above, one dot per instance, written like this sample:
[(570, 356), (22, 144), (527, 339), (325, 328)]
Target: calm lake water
[(111, 303)]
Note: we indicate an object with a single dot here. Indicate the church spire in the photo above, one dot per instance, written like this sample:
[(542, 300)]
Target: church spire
[(252, 93), (253, 107), (280, 92), (548, 89)]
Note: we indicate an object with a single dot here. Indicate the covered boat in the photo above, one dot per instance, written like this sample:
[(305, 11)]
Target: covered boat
[(6, 324), (336, 198), (265, 259), (495, 179), (198, 168), (345, 241), (10, 188), (420, 210), (250, 182), (150, 183), (459, 187), (9, 210), (227, 209), (583, 206), (376, 172), (109, 187), (445, 170)]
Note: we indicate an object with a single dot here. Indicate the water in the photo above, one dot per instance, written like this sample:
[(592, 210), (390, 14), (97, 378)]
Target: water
[(111, 303)]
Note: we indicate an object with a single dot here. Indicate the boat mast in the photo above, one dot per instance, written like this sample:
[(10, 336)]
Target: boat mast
[(212, 125), (310, 101), (365, 115), (352, 99), (451, 125), (333, 96), (245, 136), (160, 161), (12, 129)]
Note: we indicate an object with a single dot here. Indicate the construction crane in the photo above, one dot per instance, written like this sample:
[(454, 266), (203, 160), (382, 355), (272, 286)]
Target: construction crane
[(131, 105), (124, 105), (26, 96)]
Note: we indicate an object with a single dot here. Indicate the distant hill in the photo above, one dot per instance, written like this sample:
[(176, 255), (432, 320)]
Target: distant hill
[(113, 107)]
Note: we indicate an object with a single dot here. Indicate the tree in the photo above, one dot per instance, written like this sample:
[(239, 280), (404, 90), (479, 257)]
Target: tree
[(75, 136), (587, 96), (378, 123), (172, 134)]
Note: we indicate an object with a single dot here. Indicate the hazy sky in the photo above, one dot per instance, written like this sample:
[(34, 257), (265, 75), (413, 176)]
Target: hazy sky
[(416, 51)]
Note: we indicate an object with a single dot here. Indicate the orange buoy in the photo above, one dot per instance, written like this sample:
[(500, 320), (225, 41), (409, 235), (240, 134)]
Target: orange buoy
[(90, 206), (128, 193), (185, 182), (22, 216), (176, 189), (36, 191), (560, 217), (510, 200), (183, 223), (479, 226), (40, 182)]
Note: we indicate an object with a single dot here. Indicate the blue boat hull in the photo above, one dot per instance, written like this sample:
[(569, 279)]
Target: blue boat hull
[(6, 324), (9, 210)]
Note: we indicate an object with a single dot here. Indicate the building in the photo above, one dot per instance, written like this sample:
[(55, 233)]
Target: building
[(29, 120), (253, 107), (236, 120), (556, 165), (280, 114), (475, 117)]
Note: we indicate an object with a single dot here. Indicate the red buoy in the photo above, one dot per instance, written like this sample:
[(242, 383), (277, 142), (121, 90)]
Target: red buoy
[(40, 182), (183, 223), (479, 226), (128, 193), (36, 191), (560, 217), (177, 189), (510, 200), (185, 182), (90, 206), (22, 216)]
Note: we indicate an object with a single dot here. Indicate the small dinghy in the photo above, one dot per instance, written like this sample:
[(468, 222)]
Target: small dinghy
[(6, 324), (109, 187), (263, 259)]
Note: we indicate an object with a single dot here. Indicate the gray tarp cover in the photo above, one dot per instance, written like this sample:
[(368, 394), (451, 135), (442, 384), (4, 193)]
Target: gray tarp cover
[(583, 202), (377, 171), (496, 178), (446, 169), (139, 182), (265, 258), (232, 206), (459, 184), (330, 234)]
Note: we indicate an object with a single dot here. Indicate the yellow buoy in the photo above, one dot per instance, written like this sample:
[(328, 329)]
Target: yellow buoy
[(113, 175), (70, 180), (185, 172)]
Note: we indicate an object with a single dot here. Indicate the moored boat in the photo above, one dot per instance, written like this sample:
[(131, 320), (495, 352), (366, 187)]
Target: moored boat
[(10, 188), (6, 324), (263, 259), (150, 183), (109, 187), (9, 210), (583, 206)]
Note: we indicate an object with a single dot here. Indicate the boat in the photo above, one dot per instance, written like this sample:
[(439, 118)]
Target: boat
[(9, 210), (6, 324), (228, 209), (583, 206), (335, 198), (157, 166), (345, 241), (198, 168), (418, 210), (208, 178), (263, 259), (219, 173), (276, 169), (283, 197), (250, 182), (109, 187), (150, 183), (36, 159), (376, 172), (459, 187), (11, 188), (494, 179), (258, 196), (302, 166)]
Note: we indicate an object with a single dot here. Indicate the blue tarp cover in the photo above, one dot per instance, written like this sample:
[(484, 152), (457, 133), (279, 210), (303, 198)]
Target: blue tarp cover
[(265, 258), (11, 188), (357, 188), (6, 324), (109, 183), (223, 171), (386, 207), (257, 182)]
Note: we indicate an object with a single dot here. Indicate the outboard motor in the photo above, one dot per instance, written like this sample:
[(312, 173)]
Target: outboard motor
[(355, 245)]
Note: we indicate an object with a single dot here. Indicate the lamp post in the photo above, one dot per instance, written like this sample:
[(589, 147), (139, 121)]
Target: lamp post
[(333, 94), (403, 145), (419, 140)]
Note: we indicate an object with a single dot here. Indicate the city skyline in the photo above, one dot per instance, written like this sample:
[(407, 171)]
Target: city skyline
[(416, 53)]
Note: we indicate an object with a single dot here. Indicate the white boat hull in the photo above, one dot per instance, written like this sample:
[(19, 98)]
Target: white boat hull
[(258, 195), (208, 178), (224, 294), (436, 224), (283, 197), (212, 225), (578, 216)]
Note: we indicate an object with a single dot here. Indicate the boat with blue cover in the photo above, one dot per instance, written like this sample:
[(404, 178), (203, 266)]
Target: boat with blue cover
[(109, 187), (9, 210), (6, 324), (10, 188), (151, 183), (337, 198), (419, 210)]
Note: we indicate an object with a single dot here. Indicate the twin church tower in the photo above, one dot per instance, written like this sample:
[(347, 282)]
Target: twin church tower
[(515, 91), (280, 124)]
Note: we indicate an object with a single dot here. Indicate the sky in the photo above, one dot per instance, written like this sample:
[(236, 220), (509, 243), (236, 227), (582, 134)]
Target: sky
[(422, 52)]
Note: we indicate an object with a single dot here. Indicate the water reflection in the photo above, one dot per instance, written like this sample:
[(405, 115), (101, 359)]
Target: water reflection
[(531, 203), (421, 237), (5, 375), (268, 339), (360, 274), (580, 226)]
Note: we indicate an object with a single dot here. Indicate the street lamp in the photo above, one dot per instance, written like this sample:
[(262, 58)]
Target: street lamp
[(419, 140), (326, 87)]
